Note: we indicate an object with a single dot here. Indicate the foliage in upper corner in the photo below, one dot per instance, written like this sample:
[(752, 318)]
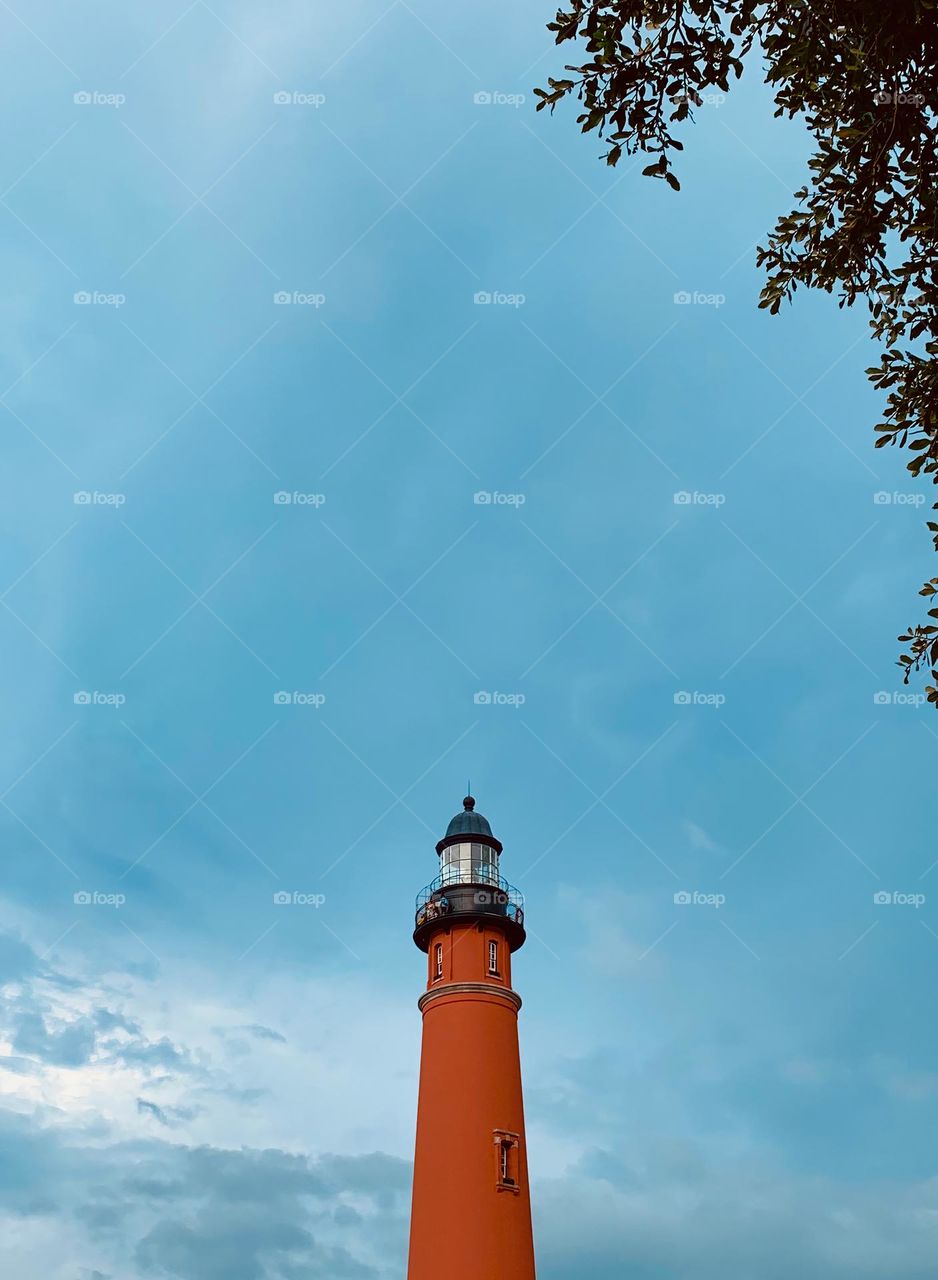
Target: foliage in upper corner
[(863, 77)]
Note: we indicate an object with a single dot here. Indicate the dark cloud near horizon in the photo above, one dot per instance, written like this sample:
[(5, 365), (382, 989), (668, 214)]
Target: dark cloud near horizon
[(150, 1208), (206, 1213)]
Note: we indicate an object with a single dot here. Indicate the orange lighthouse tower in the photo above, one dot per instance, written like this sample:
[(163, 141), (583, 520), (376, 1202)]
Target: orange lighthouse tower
[(471, 1216)]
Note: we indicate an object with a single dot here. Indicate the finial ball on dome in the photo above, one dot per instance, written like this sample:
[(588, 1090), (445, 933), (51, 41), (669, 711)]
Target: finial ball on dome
[(469, 803)]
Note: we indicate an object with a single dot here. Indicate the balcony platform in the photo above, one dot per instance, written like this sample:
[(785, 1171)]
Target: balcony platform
[(451, 898)]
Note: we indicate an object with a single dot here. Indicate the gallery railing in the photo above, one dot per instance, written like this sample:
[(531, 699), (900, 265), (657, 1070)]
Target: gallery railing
[(467, 896)]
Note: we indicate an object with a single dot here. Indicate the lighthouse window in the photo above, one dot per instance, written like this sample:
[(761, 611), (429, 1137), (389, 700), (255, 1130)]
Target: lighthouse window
[(438, 959), (507, 1157), (493, 958)]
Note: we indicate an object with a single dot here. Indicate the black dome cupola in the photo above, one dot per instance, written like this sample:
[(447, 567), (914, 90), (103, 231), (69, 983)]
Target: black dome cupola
[(471, 825)]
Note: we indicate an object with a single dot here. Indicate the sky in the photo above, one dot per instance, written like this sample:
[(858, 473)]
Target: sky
[(365, 434)]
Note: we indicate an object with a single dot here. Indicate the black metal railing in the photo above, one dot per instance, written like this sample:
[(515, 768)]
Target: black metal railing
[(446, 896)]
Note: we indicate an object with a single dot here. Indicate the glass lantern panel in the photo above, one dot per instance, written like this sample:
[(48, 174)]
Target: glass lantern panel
[(466, 863)]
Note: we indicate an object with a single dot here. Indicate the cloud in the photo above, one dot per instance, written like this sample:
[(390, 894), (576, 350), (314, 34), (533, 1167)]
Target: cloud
[(162, 1054), (736, 1221), (70, 1046), (262, 1033), (697, 837), (692, 1183), (17, 959), (197, 1213), (92, 1088), (243, 1245), (170, 1117), (238, 1038)]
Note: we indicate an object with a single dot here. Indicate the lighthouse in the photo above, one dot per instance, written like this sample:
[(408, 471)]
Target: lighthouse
[(471, 1215)]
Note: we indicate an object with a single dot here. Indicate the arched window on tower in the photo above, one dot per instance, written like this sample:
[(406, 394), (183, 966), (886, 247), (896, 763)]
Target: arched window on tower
[(438, 961), (493, 959)]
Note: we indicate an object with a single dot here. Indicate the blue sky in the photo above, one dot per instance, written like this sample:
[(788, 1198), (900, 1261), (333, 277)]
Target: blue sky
[(678, 606)]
